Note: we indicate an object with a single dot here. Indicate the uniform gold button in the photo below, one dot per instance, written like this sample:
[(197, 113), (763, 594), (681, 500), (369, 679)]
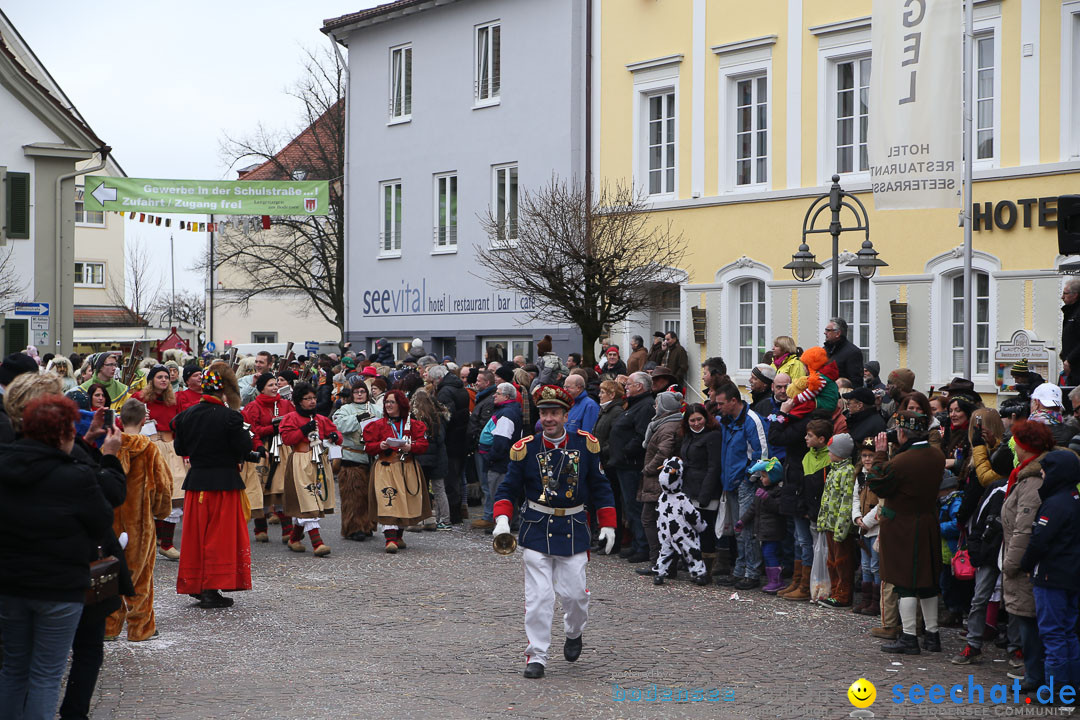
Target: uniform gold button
[(567, 534)]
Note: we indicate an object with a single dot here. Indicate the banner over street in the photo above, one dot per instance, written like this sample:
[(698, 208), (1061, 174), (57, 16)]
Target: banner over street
[(915, 139), (202, 197)]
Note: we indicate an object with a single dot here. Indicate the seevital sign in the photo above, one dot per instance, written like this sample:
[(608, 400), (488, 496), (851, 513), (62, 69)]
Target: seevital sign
[(201, 197)]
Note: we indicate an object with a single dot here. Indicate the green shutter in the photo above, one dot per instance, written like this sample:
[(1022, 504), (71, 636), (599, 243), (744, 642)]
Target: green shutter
[(18, 205)]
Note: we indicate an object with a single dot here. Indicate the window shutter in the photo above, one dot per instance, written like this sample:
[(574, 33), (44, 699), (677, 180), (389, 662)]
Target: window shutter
[(17, 201)]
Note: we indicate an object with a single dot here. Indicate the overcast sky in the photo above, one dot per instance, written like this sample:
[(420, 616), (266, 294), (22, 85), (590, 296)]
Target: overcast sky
[(163, 83)]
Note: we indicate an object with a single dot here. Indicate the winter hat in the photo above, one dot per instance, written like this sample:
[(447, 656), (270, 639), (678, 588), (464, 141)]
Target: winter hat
[(669, 402), (874, 367), (841, 445), (370, 371), (190, 370), (949, 482), (771, 467), (544, 346), (14, 365), (764, 373), (505, 373), (170, 364), (154, 371), (815, 358), (903, 378), (1020, 367), (348, 362), (99, 360), (261, 380)]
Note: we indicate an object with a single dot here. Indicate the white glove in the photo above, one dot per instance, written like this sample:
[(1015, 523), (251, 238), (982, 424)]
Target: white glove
[(502, 526), (607, 535)]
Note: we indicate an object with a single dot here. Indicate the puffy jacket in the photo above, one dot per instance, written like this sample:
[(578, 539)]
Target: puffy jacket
[(433, 460), (702, 455), (52, 511), (744, 444), (508, 430), (455, 398), (628, 432), (384, 355), (481, 413), (1017, 515), (984, 541), (663, 443), (864, 506), (602, 429), (792, 367), (948, 507), (1053, 552), (764, 515)]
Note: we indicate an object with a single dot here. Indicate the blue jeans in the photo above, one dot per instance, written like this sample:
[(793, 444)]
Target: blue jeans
[(1031, 646), (770, 550), (37, 636), (485, 487), (870, 571), (1056, 611), (748, 562), (804, 541), (628, 483)]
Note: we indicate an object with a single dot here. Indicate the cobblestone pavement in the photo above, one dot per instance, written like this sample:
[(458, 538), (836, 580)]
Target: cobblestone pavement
[(436, 632)]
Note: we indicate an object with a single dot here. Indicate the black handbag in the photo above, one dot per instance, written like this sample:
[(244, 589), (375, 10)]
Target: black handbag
[(104, 578)]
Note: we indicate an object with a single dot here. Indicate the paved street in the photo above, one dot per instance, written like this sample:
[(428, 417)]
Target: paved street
[(436, 631)]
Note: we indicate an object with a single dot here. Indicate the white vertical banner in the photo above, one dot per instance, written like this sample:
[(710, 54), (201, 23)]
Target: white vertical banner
[(916, 102)]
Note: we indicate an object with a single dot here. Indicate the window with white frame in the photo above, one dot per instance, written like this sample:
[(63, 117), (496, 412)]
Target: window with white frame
[(660, 143), (390, 235), (751, 316), (985, 96), (505, 200), (401, 82), (751, 130), (851, 118), (671, 326), (980, 317), (855, 310), (488, 80), (90, 274), (84, 216), (263, 337), (446, 211), (1070, 80), (507, 348)]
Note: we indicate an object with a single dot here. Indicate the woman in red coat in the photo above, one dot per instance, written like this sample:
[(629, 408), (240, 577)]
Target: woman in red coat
[(264, 481), (398, 494), (162, 407), (309, 483)]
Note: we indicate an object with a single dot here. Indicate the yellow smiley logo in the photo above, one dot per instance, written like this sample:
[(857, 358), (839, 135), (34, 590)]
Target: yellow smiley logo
[(862, 693)]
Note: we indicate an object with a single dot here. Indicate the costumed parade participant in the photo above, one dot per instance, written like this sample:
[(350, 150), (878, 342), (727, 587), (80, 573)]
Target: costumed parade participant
[(105, 366), (161, 408), (309, 482), (264, 481), (351, 419), (192, 392), (556, 475), (215, 552), (398, 495)]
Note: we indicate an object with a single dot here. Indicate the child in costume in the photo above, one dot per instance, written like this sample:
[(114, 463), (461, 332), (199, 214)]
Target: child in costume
[(679, 525)]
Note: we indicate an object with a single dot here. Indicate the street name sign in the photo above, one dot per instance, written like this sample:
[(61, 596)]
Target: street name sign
[(203, 197), (30, 308)]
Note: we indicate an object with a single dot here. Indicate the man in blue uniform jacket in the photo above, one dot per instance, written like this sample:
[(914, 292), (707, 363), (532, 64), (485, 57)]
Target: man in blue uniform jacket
[(556, 475)]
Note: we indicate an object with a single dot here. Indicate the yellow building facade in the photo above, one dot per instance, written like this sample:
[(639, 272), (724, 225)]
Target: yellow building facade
[(733, 117)]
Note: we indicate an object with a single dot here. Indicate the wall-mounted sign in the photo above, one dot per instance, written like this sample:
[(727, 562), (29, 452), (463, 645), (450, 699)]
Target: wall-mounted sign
[(202, 197), (1006, 214), (1023, 345)]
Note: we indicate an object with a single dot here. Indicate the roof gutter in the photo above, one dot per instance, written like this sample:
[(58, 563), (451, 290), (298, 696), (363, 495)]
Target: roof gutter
[(58, 308)]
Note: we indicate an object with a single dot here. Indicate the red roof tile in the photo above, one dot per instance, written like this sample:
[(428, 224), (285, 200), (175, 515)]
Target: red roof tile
[(315, 145), (103, 316), (331, 24)]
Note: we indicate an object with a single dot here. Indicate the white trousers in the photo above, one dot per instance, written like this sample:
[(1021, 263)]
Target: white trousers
[(546, 575), (307, 523), (175, 515)]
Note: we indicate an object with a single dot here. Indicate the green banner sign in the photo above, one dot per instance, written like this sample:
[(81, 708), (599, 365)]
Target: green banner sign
[(202, 197)]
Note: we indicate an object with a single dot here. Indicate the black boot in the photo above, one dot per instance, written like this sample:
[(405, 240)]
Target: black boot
[(534, 670), (214, 599), (905, 645), (931, 641), (572, 649)]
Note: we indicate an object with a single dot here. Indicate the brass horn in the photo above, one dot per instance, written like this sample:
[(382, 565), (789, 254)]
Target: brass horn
[(504, 544)]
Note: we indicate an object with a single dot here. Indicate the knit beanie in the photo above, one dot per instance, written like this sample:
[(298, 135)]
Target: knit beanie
[(904, 378), (505, 373), (669, 402), (190, 370), (544, 346), (841, 445), (764, 373), (261, 380)]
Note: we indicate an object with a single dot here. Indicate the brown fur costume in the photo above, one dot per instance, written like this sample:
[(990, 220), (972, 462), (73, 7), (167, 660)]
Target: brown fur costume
[(228, 379), (149, 493)]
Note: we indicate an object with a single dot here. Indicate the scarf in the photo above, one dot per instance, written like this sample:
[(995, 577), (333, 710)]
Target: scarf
[(1046, 416), (779, 360), (657, 422), (1015, 474)]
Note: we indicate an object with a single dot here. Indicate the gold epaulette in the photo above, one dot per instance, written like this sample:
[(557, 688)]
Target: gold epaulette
[(517, 452), (590, 441)]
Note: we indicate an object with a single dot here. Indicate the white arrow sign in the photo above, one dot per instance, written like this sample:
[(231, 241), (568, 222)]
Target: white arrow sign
[(103, 194)]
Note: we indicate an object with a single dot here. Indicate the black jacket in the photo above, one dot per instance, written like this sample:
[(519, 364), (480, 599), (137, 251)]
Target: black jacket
[(1053, 553), (628, 433), (985, 539), (848, 358), (52, 511), (324, 399), (481, 413), (113, 483), (866, 423), (1070, 336), (792, 436), (602, 429), (384, 355), (764, 515), (214, 440), (7, 431), (455, 398), (434, 461), (702, 456)]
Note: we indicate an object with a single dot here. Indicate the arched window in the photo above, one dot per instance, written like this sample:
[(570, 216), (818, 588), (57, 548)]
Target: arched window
[(743, 315), (947, 316), (855, 310), (980, 311), (751, 323)]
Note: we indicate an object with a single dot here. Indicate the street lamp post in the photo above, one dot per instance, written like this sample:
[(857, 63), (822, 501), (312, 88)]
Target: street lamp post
[(804, 265)]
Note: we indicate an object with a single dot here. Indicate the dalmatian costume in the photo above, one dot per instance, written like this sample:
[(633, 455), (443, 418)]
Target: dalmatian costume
[(679, 525)]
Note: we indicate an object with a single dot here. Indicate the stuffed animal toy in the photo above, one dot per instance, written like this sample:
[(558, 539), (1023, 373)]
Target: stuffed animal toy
[(816, 390), (679, 525)]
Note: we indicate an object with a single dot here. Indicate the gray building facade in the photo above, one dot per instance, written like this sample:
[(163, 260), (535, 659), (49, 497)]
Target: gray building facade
[(455, 107)]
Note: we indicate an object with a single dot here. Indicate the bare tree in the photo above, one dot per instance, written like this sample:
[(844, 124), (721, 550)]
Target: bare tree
[(141, 285), (11, 288), (590, 262), (186, 307), (299, 256)]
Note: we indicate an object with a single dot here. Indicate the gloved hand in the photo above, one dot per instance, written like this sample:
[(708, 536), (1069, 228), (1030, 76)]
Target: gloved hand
[(502, 526), (977, 438), (275, 422), (309, 427), (607, 536), (262, 451), (334, 438), (738, 526), (761, 492)]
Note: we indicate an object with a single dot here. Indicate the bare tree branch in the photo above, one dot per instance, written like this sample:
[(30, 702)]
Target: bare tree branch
[(11, 288), (140, 287), (589, 266), (187, 307)]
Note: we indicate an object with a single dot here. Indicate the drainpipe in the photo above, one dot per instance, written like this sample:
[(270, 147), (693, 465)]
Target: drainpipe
[(57, 308), (344, 186)]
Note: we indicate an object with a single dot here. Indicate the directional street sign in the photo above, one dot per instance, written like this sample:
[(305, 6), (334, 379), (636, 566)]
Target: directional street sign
[(311, 347), (201, 197), (39, 323), (26, 308)]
